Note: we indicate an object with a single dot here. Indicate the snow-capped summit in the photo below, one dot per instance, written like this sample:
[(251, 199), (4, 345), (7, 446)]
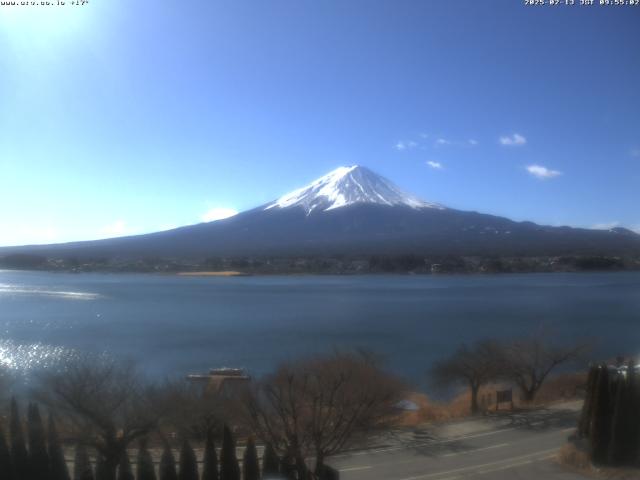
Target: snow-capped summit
[(347, 186)]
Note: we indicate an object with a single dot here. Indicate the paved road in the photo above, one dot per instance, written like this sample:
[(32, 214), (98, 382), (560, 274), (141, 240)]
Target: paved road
[(504, 446)]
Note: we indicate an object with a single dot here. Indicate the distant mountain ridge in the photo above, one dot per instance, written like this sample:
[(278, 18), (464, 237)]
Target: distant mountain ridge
[(352, 211)]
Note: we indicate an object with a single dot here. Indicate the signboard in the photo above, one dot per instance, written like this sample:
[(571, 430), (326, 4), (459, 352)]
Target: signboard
[(504, 396)]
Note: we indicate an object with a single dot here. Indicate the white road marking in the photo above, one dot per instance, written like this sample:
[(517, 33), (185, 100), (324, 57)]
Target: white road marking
[(513, 465), (355, 469), (473, 450), (472, 468), (413, 460)]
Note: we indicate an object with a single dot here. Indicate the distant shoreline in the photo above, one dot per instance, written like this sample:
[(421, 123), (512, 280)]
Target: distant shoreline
[(224, 273), (332, 265)]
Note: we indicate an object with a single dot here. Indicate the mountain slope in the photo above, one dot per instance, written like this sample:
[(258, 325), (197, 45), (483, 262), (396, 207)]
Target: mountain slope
[(352, 211), (346, 186)]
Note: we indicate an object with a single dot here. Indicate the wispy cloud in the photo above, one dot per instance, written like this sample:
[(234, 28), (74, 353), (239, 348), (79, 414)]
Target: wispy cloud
[(542, 173), (435, 165), (446, 142), (425, 140), (635, 152), (218, 213), (405, 145), (515, 140)]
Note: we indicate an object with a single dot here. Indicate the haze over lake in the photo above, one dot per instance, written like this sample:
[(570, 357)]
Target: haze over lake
[(177, 325)]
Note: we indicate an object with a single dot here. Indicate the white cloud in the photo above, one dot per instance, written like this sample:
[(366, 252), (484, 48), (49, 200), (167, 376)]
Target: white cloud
[(218, 213), (435, 165), (442, 141), (405, 145), (515, 140), (472, 142), (635, 152), (542, 173)]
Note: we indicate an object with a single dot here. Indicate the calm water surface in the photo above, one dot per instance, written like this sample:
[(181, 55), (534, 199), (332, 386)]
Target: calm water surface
[(177, 325)]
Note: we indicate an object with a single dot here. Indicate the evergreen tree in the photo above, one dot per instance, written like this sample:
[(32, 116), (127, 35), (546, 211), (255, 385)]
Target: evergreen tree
[(210, 469), (38, 456), (587, 407), (102, 470), (600, 430), (168, 465), (633, 415), (124, 468), (250, 466), (19, 454), (623, 448), (58, 465), (270, 461), (188, 462), (288, 467), (6, 468), (145, 470), (618, 441), (229, 468), (82, 465)]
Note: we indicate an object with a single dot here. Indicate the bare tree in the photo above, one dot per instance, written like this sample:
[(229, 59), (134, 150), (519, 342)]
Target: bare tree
[(529, 361), (191, 410), (472, 366), (319, 406), (107, 403)]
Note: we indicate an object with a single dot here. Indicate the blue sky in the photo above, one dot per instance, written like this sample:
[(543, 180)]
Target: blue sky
[(122, 117)]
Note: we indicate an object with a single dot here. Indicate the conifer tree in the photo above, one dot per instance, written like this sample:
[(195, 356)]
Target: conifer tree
[(188, 462), (250, 466), (270, 461), (19, 454), (168, 465), (145, 470), (288, 467), (210, 468), (102, 470), (600, 430), (616, 447), (6, 468), (633, 415), (81, 464), (38, 455), (124, 468), (623, 448), (229, 468), (58, 465), (587, 407)]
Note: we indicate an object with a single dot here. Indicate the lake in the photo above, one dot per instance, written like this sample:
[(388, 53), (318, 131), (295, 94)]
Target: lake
[(174, 325)]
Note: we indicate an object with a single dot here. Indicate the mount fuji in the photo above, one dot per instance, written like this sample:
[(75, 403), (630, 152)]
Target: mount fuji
[(351, 211)]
